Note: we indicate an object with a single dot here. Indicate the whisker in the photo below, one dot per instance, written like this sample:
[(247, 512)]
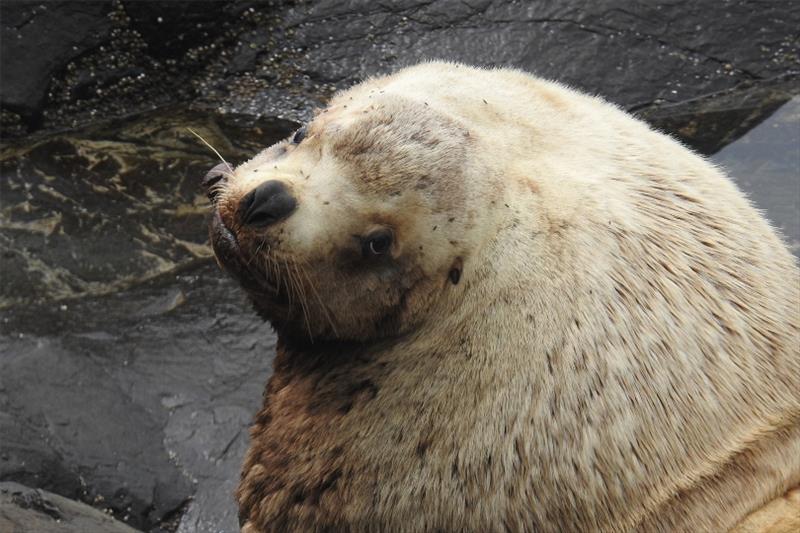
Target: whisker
[(302, 289), (324, 307), (302, 296), (268, 267), (212, 149), (287, 281), (277, 275), (255, 254), (219, 189), (292, 275)]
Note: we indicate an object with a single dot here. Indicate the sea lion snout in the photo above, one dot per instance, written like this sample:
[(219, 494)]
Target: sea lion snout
[(268, 203)]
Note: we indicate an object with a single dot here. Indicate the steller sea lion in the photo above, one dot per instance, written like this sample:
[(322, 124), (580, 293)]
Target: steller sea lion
[(504, 305)]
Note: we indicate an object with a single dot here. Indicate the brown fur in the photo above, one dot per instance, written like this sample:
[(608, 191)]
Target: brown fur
[(619, 350)]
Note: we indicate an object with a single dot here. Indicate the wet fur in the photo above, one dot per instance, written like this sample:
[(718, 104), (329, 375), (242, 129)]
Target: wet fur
[(621, 351)]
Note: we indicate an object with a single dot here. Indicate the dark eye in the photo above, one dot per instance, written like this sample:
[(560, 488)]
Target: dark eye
[(378, 242), (299, 135)]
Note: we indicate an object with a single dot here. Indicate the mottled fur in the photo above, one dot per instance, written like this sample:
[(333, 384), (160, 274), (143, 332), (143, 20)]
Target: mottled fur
[(621, 350)]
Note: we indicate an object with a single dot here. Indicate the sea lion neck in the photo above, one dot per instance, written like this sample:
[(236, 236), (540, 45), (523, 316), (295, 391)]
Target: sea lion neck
[(299, 354)]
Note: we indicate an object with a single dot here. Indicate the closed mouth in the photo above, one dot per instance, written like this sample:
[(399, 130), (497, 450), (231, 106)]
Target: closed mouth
[(244, 267)]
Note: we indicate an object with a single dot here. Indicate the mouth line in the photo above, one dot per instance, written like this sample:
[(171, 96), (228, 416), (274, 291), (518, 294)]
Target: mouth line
[(243, 267)]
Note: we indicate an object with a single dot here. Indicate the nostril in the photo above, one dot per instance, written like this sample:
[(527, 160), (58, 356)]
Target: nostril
[(214, 177), (266, 204)]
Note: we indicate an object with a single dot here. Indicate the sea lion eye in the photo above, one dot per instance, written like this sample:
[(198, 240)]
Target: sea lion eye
[(299, 135), (378, 242)]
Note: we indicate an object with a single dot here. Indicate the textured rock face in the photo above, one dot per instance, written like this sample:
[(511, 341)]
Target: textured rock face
[(129, 366), (39, 41), (72, 200), (73, 62), (136, 401), (765, 162), (23, 510)]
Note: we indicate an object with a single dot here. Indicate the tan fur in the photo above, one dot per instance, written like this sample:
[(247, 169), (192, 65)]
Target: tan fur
[(621, 350), (781, 515)]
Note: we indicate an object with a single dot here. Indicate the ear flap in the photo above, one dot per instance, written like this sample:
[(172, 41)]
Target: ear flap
[(455, 271)]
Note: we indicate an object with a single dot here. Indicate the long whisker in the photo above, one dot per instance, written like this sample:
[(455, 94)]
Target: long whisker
[(271, 269), (293, 275), (274, 272), (212, 149), (278, 275), (324, 307), (256, 253), (267, 261), (302, 288), (287, 281), (303, 306), (306, 314)]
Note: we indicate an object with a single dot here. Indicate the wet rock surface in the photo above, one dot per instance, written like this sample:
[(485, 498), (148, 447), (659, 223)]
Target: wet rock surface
[(23, 510), (130, 366), (73, 62), (137, 401), (72, 202), (765, 163)]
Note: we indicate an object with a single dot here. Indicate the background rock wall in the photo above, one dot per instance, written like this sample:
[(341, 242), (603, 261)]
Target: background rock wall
[(71, 63), (129, 366)]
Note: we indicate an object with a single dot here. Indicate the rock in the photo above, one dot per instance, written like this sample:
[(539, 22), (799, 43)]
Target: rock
[(143, 415), (764, 162), (713, 121), (130, 367), (634, 55), (169, 30), (96, 210), (38, 41), (106, 228), (108, 447), (280, 59), (23, 510)]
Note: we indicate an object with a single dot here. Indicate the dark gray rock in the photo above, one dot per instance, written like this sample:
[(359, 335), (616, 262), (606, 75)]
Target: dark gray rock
[(279, 59), (69, 63), (103, 438), (38, 40), (634, 54), (98, 402), (170, 29), (137, 402), (765, 163), (99, 209), (26, 510), (711, 122), (129, 366)]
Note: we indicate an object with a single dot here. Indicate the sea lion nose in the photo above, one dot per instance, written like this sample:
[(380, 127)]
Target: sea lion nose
[(266, 204), (213, 177)]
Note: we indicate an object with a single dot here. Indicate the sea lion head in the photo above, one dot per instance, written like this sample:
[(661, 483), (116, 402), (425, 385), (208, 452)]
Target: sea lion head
[(355, 226)]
